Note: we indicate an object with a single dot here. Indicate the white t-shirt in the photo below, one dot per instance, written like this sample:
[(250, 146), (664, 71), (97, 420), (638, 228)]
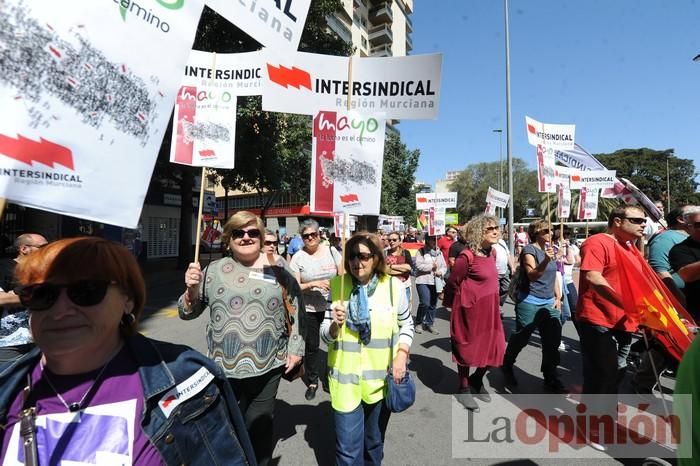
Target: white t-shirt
[(502, 254), (569, 269)]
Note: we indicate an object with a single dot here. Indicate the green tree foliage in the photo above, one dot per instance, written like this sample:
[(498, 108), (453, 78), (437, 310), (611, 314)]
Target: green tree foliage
[(646, 168), (398, 177), (473, 183)]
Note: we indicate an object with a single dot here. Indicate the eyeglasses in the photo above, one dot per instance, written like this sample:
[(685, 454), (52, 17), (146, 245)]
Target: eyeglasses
[(37, 246), (495, 228), (271, 243), (635, 220), (393, 240), (41, 296), (546, 231), (363, 256), (252, 233), (310, 235)]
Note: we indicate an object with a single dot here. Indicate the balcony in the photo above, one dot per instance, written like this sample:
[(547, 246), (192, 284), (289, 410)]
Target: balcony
[(381, 14), (339, 27), (409, 44), (379, 35), (409, 24), (381, 51)]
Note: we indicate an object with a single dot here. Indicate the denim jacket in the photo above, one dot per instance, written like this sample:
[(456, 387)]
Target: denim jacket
[(207, 429)]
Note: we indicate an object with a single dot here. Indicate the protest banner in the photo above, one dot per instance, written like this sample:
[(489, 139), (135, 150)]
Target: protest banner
[(588, 204), (84, 113), (224, 75), (545, 170), (436, 221), (452, 219), (338, 224), (346, 167), (564, 204), (496, 198), (598, 179), (549, 135), (277, 25), (406, 88), (389, 223), (425, 201), (562, 176)]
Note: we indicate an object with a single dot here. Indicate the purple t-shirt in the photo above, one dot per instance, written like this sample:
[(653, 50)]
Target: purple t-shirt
[(106, 431)]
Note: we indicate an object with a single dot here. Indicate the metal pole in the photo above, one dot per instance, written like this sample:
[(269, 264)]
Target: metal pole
[(500, 165), (668, 187), (511, 230)]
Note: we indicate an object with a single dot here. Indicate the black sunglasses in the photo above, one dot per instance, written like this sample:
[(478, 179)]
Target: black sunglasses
[(252, 233), (393, 240), (493, 228), (363, 256), (309, 235), (635, 220), (271, 243), (41, 296)]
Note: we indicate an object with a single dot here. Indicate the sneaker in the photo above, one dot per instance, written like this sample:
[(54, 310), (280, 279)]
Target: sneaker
[(563, 347), (479, 391), (554, 385), (417, 329), (311, 392), (430, 329), (465, 398), (509, 375)]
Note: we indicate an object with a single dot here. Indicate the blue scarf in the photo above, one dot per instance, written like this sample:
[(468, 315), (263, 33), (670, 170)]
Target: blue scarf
[(358, 308)]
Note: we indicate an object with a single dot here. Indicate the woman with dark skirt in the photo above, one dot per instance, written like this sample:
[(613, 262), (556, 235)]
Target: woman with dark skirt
[(475, 322)]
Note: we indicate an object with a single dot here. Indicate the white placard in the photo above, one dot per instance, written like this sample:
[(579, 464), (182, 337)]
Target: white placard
[(225, 74), (338, 224), (346, 165), (546, 181), (425, 201), (549, 135), (599, 179), (564, 204), (86, 91), (400, 87), (436, 221), (276, 24), (588, 204), (496, 198)]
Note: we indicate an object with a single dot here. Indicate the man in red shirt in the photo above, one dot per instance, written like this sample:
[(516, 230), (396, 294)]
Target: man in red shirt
[(446, 241), (604, 327)]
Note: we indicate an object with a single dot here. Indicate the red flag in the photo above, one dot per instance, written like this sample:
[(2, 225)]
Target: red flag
[(646, 298)]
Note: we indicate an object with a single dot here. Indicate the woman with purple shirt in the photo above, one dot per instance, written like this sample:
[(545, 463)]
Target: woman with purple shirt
[(94, 390)]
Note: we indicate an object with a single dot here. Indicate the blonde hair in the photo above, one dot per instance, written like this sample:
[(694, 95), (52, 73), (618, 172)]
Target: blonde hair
[(238, 221), (536, 226), (474, 230)]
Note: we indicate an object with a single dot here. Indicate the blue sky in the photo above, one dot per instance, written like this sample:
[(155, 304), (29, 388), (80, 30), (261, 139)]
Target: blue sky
[(621, 70)]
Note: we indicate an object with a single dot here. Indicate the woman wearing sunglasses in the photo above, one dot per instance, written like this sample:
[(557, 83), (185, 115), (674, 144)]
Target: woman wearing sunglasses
[(538, 307), (269, 248), (94, 390), (246, 334), (368, 331), (314, 265), (475, 321)]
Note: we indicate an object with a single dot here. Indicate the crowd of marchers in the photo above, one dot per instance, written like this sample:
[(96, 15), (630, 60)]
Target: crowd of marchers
[(79, 383)]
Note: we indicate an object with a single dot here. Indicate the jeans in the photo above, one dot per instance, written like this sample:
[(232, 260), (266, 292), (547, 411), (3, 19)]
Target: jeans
[(312, 356), (604, 352), (572, 299), (427, 299), (528, 318), (359, 435), (256, 399), (565, 307)]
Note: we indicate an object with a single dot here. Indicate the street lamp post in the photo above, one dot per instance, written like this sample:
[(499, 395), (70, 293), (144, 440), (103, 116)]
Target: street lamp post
[(511, 230), (500, 165)]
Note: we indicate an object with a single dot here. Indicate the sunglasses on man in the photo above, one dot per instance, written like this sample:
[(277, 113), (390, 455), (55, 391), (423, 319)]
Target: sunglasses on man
[(636, 220), (41, 296)]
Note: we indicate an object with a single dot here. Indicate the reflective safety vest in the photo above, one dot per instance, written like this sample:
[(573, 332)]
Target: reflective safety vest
[(356, 372)]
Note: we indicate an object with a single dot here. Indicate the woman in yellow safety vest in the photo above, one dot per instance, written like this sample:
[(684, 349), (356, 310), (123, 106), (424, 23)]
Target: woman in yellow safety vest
[(369, 331)]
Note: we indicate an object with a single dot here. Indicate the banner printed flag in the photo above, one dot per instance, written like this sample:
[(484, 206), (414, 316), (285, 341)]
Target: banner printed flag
[(276, 25), (588, 204), (579, 158), (496, 198), (647, 300), (84, 114), (545, 170), (425, 201), (346, 169), (550, 135), (595, 179), (436, 221), (564, 204), (404, 88)]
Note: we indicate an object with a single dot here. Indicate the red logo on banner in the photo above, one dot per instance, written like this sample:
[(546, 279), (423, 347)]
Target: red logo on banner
[(186, 107), (324, 132), (29, 151), (350, 197), (531, 129), (285, 77), (422, 199), (207, 153)]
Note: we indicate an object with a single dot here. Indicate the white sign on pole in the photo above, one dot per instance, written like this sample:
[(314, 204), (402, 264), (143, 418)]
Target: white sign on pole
[(224, 75), (400, 87), (275, 24), (83, 114), (338, 224), (436, 221), (599, 179), (564, 204), (546, 181), (496, 198), (346, 168), (548, 135), (588, 204), (425, 201)]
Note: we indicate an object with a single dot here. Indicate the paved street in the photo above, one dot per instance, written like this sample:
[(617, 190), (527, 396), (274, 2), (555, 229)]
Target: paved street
[(420, 436)]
